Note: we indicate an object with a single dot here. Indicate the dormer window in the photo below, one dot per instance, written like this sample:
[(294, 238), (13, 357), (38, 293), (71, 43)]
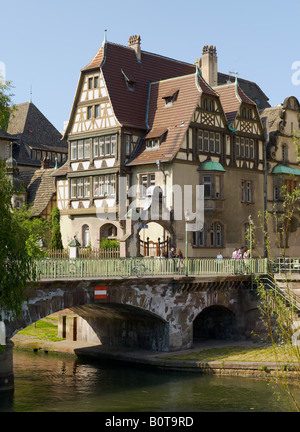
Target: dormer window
[(170, 97), (129, 81), (155, 137), (152, 143)]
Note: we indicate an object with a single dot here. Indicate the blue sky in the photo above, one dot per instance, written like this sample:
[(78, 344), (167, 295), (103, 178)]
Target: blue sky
[(44, 44)]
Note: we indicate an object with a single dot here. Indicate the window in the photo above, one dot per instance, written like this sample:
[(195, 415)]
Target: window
[(285, 156), (170, 98), (247, 191), (146, 181), (290, 185), (152, 143), (209, 141), (85, 235), (104, 185), (212, 186), (276, 193), (207, 186), (211, 237), (208, 104), (215, 235), (90, 112), (97, 111), (73, 150), (80, 149), (104, 146), (86, 187), (244, 148), (96, 82), (90, 83), (80, 187), (127, 144), (198, 238)]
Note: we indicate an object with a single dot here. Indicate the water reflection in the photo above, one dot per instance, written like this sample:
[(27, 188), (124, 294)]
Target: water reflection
[(53, 382)]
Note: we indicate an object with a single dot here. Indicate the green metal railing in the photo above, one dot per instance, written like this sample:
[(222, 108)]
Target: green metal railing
[(285, 265), (150, 267)]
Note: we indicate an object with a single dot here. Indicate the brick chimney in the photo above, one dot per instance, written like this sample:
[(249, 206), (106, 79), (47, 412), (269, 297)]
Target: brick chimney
[(208, 64), (134, 42)]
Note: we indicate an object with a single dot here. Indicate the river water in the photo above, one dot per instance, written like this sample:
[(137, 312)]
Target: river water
[(63, 383)]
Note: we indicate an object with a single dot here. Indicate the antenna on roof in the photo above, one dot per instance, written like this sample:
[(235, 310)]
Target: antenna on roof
[(235, 73)]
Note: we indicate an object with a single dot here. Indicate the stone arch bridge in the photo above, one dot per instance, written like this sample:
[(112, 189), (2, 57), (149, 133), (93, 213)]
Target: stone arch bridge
[(163, 313)]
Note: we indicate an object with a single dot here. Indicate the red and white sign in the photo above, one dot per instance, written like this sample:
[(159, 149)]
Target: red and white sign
[(100, 292)]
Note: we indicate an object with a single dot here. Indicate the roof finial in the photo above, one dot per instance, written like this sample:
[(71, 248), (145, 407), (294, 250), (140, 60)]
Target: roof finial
[(105, 39), (30, 100), (235, 73)]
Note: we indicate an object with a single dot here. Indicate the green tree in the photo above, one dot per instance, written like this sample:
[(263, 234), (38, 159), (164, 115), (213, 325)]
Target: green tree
[(278, 306), (15, 261), (37, 231), (56, 241), (6, 108)]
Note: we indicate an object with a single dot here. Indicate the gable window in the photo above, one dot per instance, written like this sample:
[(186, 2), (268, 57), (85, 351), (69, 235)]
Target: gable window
[(97, 111), (208, 104), (90, 83), (90, 112)]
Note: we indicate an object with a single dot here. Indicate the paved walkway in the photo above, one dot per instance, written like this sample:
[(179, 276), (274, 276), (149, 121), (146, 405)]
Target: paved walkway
[(156, 359)]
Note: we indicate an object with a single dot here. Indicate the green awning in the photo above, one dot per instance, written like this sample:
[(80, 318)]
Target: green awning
[(209, 165), (284, 169)]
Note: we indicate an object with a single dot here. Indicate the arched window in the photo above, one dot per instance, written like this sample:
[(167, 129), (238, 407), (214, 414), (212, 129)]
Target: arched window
[(85, 235)]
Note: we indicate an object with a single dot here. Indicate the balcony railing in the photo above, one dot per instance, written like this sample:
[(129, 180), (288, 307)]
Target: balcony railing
[(145, 267)]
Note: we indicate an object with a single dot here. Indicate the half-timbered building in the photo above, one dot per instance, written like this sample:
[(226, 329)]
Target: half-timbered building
[(152, 121)]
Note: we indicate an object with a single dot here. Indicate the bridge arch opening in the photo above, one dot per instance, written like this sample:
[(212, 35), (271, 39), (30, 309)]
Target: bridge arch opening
[(122, 325), (215, 322)]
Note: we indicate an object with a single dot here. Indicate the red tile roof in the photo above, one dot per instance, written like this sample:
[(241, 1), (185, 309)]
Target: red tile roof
[(232, 96), (130, 105), (175, 118)]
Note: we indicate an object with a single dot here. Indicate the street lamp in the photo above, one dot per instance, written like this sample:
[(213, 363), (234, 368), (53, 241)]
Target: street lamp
[(250, 233), (187, 218)]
